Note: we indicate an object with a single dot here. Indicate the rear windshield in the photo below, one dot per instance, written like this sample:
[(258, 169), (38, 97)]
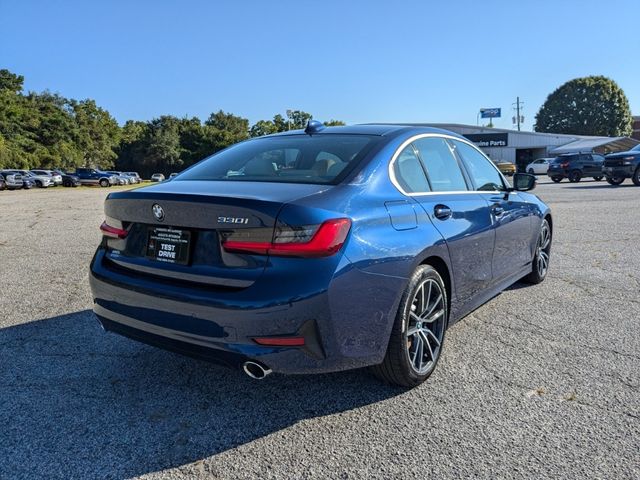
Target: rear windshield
[(290, 159)]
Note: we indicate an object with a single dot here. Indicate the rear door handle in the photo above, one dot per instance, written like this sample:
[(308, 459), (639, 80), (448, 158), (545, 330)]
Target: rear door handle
[(442, 212)]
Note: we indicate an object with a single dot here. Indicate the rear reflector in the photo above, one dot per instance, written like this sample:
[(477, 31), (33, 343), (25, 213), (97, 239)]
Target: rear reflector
[(112, 232), (280, 341), (306, 242)]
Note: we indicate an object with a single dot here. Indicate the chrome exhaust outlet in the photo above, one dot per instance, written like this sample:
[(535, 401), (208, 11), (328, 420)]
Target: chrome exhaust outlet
[(256, 370)]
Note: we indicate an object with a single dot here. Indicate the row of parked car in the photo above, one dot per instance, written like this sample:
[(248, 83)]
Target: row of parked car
[(615, 167), (14, 179)]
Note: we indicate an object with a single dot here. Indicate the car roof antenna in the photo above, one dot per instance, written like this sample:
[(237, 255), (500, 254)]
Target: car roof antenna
[(314, 126)]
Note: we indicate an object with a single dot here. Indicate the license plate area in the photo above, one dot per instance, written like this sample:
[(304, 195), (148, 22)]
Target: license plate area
[(169, 245)]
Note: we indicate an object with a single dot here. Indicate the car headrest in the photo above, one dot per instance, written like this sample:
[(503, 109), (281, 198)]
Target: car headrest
[(259, 166)]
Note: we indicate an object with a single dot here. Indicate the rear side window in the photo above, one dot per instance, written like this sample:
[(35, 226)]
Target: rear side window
[(442, 167), (409, 173), (290, 159), (482, 172)]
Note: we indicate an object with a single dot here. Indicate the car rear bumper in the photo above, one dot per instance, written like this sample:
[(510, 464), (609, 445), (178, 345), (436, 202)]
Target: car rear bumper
[(343, 327)]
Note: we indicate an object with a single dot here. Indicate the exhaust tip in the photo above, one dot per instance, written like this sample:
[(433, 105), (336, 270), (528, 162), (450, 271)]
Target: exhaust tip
[(256, 370)]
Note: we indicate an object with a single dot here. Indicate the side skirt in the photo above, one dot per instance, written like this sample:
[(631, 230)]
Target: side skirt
[(487, 295)]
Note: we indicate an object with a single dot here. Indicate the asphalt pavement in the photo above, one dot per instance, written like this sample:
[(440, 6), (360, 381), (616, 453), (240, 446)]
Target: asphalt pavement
[(543, 381)]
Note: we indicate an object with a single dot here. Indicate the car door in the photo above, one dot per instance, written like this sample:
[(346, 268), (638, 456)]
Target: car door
[(461, 216), (598, 163), (588, 165), (510, 213)]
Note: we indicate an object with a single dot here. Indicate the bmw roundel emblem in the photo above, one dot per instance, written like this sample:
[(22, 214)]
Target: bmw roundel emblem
[(158, 212)]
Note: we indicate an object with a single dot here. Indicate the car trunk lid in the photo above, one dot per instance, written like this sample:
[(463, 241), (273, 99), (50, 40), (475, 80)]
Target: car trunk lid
[(175, 235)]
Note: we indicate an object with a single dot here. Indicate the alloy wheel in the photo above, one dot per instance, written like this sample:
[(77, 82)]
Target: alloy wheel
[(544, 245), (425, 328)]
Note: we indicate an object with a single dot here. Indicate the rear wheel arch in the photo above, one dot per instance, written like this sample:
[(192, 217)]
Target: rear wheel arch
[(443, 270), (548, 218)]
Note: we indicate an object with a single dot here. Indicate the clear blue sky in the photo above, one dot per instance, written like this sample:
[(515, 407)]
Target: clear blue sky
[(358, 61)]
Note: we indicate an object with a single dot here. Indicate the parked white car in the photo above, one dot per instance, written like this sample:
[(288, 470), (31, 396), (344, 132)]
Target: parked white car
[(539, 166), (134, 175), (121, 178), (41, 181), (157, 177), (55, 177)]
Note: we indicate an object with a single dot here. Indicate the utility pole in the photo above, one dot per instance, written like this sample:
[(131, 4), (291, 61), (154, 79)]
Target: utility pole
[(518, 118)]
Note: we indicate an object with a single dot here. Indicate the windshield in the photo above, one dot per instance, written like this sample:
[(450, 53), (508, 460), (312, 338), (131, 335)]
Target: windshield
[(292, 159)]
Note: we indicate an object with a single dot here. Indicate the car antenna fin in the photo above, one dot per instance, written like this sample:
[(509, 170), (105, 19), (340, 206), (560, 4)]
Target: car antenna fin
[(314, 126)]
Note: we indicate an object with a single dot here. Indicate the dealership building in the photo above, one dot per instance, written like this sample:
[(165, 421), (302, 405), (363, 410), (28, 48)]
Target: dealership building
[(522, 148)]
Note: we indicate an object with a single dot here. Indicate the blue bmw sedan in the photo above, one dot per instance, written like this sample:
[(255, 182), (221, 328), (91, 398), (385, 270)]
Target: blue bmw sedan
[(319, 250)]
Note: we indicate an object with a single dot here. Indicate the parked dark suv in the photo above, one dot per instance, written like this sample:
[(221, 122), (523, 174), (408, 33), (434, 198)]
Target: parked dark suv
[(621, 165), (576, 166)]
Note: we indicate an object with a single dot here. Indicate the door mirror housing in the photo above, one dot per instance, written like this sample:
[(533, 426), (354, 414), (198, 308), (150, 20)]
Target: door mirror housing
[(523, 182)]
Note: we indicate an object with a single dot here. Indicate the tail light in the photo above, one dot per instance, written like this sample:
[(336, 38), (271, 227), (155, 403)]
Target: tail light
[(308, 241), (113, 232)]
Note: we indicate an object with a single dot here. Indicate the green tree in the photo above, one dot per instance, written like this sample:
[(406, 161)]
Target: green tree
[(11, 81), (593, 105), (281, 123), (194, 141), (97, 133), (223, 129), (299, 119), (162, 149), (334, 123), (131, 147), (236, 127), (48, 130), (263, 127)]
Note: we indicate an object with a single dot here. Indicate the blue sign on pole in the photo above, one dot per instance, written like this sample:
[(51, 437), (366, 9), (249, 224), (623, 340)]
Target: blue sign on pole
[(490, 112)]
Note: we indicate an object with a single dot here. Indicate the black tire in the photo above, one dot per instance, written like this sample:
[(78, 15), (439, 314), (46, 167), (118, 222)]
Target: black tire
[(615, 180), (104, 182), (542, 255), (636, 177), (575, 176), (66, 183), (597, 179), (531, 172), (38, 184), (398, 368), (556, 179)]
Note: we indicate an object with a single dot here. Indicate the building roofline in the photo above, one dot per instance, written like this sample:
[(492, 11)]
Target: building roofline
[(502, 130)]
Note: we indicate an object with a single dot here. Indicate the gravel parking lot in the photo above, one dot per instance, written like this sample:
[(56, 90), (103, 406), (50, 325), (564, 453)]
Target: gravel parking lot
[(543, 381)]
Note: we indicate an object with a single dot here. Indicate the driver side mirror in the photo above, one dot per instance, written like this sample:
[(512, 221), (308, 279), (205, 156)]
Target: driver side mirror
[(523, 182)]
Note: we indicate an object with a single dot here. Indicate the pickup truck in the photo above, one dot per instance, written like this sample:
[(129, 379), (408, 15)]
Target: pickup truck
[(621, 165), (13, 180), (92, 176)]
